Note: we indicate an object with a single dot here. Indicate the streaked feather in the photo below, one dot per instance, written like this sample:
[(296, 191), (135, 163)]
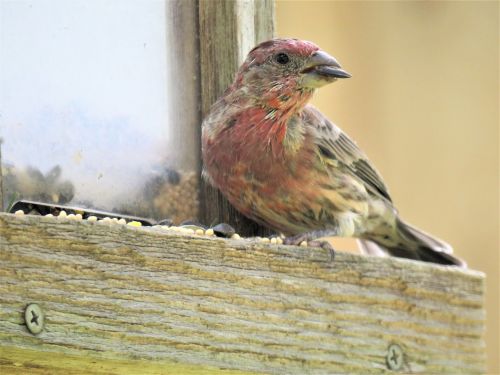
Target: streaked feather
[(336, 147)]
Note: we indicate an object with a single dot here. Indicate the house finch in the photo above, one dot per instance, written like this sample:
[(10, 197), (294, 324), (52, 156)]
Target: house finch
[(280, 162)]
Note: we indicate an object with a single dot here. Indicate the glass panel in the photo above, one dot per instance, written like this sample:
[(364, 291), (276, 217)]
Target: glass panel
[(85, 108)]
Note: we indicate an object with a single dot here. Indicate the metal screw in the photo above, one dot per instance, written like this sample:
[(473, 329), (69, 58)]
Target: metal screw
[(395, 356), (34, 318)]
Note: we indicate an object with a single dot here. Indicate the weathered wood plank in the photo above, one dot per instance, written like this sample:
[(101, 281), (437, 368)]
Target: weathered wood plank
[(228, 30), (119, 292), (28, 361)]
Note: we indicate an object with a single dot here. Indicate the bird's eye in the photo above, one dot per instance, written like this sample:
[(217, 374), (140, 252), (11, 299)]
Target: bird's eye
[(282, 58)]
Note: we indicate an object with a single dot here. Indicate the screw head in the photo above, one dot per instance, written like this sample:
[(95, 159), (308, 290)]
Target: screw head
[(34, 318), (394, 357)]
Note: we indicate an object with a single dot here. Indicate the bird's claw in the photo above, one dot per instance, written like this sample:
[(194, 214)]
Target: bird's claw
[(296, 240), (324, 245), (299, 239)]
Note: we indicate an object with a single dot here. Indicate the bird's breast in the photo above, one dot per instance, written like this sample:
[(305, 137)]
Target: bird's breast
[(261, 177)]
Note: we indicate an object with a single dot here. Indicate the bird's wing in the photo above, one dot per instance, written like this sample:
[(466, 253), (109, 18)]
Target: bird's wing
[(335, 147)]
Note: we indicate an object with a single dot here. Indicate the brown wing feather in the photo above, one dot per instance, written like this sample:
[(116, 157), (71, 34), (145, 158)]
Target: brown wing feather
[(335, 146)]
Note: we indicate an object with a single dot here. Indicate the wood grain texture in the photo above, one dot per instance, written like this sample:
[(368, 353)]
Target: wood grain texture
[(183, 77), (118, 292), (34, 362), (228, 30)]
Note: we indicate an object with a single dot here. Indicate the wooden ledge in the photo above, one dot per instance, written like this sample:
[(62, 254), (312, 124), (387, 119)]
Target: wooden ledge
[(14, 360), (131, 295)]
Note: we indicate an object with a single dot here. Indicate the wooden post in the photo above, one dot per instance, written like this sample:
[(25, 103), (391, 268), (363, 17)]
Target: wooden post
[(228, 30), (183, 72), (123, 300)]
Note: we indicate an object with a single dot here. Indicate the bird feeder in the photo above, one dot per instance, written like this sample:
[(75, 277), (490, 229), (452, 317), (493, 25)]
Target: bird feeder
[(117, 137), (93, 296)]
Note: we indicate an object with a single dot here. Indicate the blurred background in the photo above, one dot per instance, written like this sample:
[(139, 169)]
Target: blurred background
[(423, 103)]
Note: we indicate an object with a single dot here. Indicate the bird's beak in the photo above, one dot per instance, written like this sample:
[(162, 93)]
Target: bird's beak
[(321, 69)]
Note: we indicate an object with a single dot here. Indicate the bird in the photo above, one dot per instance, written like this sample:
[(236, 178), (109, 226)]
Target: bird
[(280, 162)]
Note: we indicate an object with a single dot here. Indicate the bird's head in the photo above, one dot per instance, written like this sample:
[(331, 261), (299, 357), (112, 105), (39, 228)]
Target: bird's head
[(282, 65)]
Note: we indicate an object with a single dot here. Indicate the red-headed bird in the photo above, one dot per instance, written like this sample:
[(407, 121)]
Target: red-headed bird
[(280, 162)]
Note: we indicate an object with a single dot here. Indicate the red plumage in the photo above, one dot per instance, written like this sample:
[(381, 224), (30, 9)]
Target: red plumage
[(283, 164)]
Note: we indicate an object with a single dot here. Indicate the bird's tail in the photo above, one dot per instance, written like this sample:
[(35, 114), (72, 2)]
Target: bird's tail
[(412, 243)]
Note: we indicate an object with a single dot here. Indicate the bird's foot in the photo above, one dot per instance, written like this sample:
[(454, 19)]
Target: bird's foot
[(302, 240)]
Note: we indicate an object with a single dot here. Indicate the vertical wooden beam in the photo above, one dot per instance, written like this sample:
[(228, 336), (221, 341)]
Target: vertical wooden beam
[(183, 72), (228, 30)]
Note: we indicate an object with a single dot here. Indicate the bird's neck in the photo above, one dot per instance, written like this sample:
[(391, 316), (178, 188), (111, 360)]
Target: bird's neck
[(281, 113), (283, 105), (281, 99), (268, 121)]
